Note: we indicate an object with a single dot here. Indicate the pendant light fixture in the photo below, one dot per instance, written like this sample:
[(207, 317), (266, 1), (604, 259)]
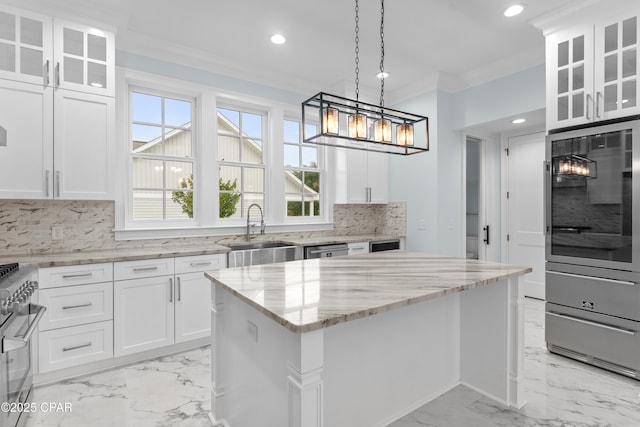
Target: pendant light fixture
[(343, 121)]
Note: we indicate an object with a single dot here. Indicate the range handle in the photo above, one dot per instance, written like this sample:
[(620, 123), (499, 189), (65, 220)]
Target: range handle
[(600, 279), (15, 343)]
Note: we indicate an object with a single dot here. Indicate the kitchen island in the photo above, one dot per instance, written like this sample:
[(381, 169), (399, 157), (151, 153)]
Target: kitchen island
[(361, 340)]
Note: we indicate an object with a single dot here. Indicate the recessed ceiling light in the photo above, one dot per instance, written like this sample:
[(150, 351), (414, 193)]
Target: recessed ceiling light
[(518, 121), (382, 75), (514, 10), (278, 39)]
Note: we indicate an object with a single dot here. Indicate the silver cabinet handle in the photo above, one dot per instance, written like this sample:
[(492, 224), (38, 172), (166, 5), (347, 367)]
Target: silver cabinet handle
[(587, 322), (15, 343), (199, 264), (74, 276), (546, 171), (3, 137), (46, 73), (140, 269), (598, 96), (70, 307), (589, 103), (58, 74), (179, 290), (58, 183), (170, 290), (601, 279), (369, 194), (76, 347), (46, 182)]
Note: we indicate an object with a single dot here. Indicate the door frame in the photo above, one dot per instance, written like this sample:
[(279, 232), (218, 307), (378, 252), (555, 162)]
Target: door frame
[(487, 214)]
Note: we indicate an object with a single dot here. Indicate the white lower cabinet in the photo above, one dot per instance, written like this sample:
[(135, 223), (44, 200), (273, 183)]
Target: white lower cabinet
[(75, 345), (143, 314), (193, 293), (158, 311), (358, 248), (151, 304), (77, 327)]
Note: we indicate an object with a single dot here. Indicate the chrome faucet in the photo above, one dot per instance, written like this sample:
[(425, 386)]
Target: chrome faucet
[(262, 225)]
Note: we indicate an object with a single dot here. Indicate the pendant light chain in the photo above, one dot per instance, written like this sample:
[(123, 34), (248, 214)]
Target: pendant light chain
[(357, 51), (381, 53)]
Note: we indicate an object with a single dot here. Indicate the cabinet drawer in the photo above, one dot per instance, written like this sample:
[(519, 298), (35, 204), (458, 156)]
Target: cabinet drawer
[(69, 347), (75, 275), (191, 264), (598, 339), (358, 248), (615, 297), (125, 270), (76, 305)]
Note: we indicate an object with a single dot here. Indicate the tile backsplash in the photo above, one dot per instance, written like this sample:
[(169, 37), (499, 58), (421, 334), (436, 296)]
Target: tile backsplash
[(26, 226)]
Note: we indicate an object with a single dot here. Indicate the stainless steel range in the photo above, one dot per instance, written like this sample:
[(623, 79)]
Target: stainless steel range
[(593, 245), (18, 321)]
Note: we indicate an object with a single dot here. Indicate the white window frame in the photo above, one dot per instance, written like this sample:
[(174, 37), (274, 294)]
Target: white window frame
[(193, 159), (206, 208), (266, 165), (322, 169)]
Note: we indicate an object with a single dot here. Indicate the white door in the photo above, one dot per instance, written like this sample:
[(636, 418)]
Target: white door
[(525, 207), (142, 314), (192, 307)]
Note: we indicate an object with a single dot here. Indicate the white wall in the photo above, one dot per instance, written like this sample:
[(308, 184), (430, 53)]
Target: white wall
[(431, 183)]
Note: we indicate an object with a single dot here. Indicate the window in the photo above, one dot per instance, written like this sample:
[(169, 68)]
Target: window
[(302, 172), (240, 161), (161, 156)]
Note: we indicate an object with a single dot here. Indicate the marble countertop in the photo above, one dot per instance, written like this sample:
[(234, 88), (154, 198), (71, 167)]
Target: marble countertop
[(91, 257), (126, 254), (317, 293)]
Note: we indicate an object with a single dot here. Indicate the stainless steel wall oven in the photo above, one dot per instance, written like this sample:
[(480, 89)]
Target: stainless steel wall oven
[(592, 223)]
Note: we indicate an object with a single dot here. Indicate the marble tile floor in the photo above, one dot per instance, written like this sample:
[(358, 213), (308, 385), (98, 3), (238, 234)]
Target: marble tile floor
[(174, 391), (560, 393), (168, 391)]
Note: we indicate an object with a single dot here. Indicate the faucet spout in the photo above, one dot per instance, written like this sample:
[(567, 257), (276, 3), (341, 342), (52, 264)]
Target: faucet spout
[(262, 224)]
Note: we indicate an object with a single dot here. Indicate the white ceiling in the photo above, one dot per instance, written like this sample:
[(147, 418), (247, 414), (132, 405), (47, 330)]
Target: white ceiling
[(451, 44)]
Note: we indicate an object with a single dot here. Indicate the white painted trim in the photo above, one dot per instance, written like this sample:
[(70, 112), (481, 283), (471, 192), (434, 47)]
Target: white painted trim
[(209, 98), (116, 362), (163, 233)]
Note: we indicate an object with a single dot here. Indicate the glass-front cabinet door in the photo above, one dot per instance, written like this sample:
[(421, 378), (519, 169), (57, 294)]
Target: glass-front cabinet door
[(591, 193), (570, 77), (616, 69), (25, 46), (84, 58)]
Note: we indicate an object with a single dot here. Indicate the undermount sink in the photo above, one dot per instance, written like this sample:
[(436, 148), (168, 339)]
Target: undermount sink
[(244, 254)]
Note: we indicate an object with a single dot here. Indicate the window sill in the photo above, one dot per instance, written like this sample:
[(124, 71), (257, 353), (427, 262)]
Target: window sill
[(220, 231)]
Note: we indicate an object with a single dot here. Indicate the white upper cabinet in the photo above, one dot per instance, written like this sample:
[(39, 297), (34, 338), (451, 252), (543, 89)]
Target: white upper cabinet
[(367, 177), (84, 58), (26, 45), (26, 154), (592, 67), (57, 109)]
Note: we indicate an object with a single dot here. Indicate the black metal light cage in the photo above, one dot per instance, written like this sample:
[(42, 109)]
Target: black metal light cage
[(312, 110)]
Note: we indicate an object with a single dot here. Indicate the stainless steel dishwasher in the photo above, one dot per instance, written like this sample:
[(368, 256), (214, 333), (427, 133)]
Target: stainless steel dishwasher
[(326, 251)]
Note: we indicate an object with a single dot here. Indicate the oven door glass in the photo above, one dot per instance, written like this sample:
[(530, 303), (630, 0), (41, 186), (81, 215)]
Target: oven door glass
[(16, 364), (591, 196)]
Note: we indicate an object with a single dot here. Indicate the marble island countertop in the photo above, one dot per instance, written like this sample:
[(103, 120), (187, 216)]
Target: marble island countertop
[(167, 251), (311, 294)]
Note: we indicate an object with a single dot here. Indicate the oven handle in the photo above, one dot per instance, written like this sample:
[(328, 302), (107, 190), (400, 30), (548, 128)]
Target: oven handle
[(15, 343)]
